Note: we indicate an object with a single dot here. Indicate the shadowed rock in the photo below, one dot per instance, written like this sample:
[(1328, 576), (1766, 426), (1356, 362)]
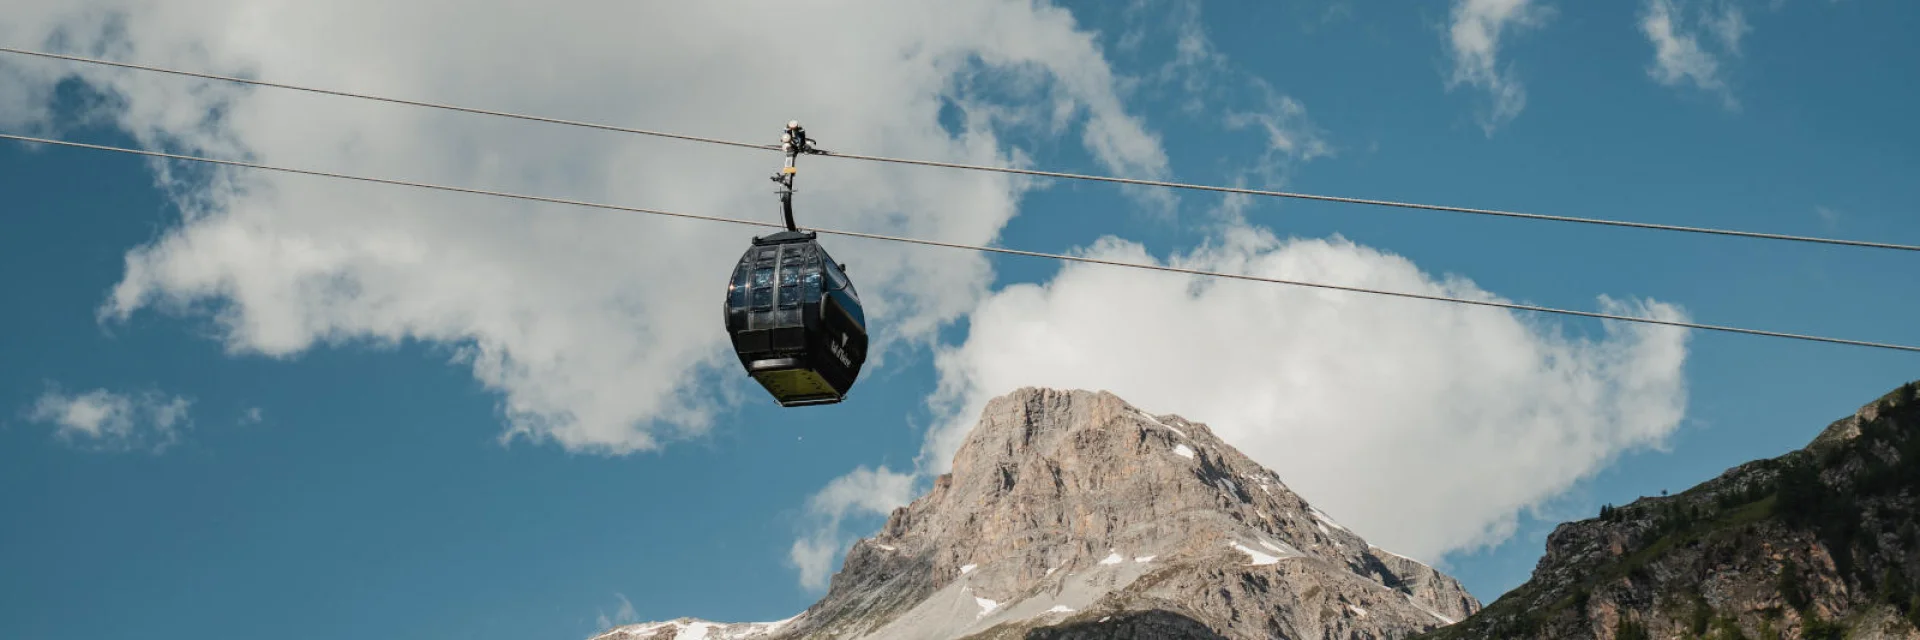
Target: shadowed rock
[(1133, 625)]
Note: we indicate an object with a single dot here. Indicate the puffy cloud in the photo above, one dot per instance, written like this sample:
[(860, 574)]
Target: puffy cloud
[(1679, 58), (1382, 411), (113, 421), (624, 615), (1473, 36), (594, 327), (863, 492)]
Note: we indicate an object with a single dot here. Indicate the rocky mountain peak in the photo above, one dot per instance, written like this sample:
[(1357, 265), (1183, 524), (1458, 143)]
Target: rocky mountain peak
[(1073, 508)]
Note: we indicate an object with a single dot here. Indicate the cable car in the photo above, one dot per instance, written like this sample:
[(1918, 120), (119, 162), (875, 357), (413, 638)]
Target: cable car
[(794, 317), (796, 320)]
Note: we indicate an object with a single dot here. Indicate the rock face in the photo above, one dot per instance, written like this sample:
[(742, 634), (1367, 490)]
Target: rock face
[(1818, 543), (1071, 514)]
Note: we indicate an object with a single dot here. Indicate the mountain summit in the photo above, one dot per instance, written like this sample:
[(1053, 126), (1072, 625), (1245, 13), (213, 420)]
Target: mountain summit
[(1072, 514)]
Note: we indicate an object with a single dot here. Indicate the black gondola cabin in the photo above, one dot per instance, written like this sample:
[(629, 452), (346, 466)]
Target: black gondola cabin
[(796, 320)]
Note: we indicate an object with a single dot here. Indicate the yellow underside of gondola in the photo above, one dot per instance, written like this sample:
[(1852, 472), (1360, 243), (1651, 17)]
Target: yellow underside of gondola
[(790, 384)]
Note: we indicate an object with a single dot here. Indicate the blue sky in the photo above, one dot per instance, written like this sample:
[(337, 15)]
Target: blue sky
[(359, 486)]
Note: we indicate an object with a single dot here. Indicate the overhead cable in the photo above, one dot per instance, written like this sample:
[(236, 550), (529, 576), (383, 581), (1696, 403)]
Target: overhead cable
[(990, 249), (414, 103), (1008, 170)]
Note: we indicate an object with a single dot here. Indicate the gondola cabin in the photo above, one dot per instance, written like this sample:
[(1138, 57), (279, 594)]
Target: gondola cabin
[(796, 321)]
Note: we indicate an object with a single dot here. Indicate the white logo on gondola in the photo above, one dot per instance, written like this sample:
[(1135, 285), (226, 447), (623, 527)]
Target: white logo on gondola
[(840, 353)]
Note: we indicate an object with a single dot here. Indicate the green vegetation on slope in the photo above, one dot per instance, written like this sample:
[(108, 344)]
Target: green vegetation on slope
[(1856, 496)]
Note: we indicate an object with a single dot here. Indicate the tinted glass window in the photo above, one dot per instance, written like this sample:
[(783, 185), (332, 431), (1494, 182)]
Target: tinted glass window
[(763, 288), (736, 296), (812, 284), (737, 287)]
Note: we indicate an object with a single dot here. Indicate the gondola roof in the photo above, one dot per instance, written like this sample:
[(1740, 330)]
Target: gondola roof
[(784, 237)]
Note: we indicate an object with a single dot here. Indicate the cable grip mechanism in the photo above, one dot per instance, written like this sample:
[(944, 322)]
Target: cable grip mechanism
[(793, 142)]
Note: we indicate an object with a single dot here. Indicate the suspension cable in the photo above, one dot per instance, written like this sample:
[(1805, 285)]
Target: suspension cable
[(412, 103), (1010, 170), (989, 249)]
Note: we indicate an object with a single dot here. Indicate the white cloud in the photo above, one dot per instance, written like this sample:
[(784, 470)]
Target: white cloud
[(1291, 138), (1197, 65), (1473, 36), (1286, 126), (251, 416), (1216, 93), (814, 555), (624, 615), (1728, 26), (862, 492), (1829, 217), (1383, 411), (595, 327), (1208, 83), (113, 421), (1679, 58)]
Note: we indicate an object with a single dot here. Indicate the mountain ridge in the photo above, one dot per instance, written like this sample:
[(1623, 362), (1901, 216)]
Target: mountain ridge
[(1820, 542)]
